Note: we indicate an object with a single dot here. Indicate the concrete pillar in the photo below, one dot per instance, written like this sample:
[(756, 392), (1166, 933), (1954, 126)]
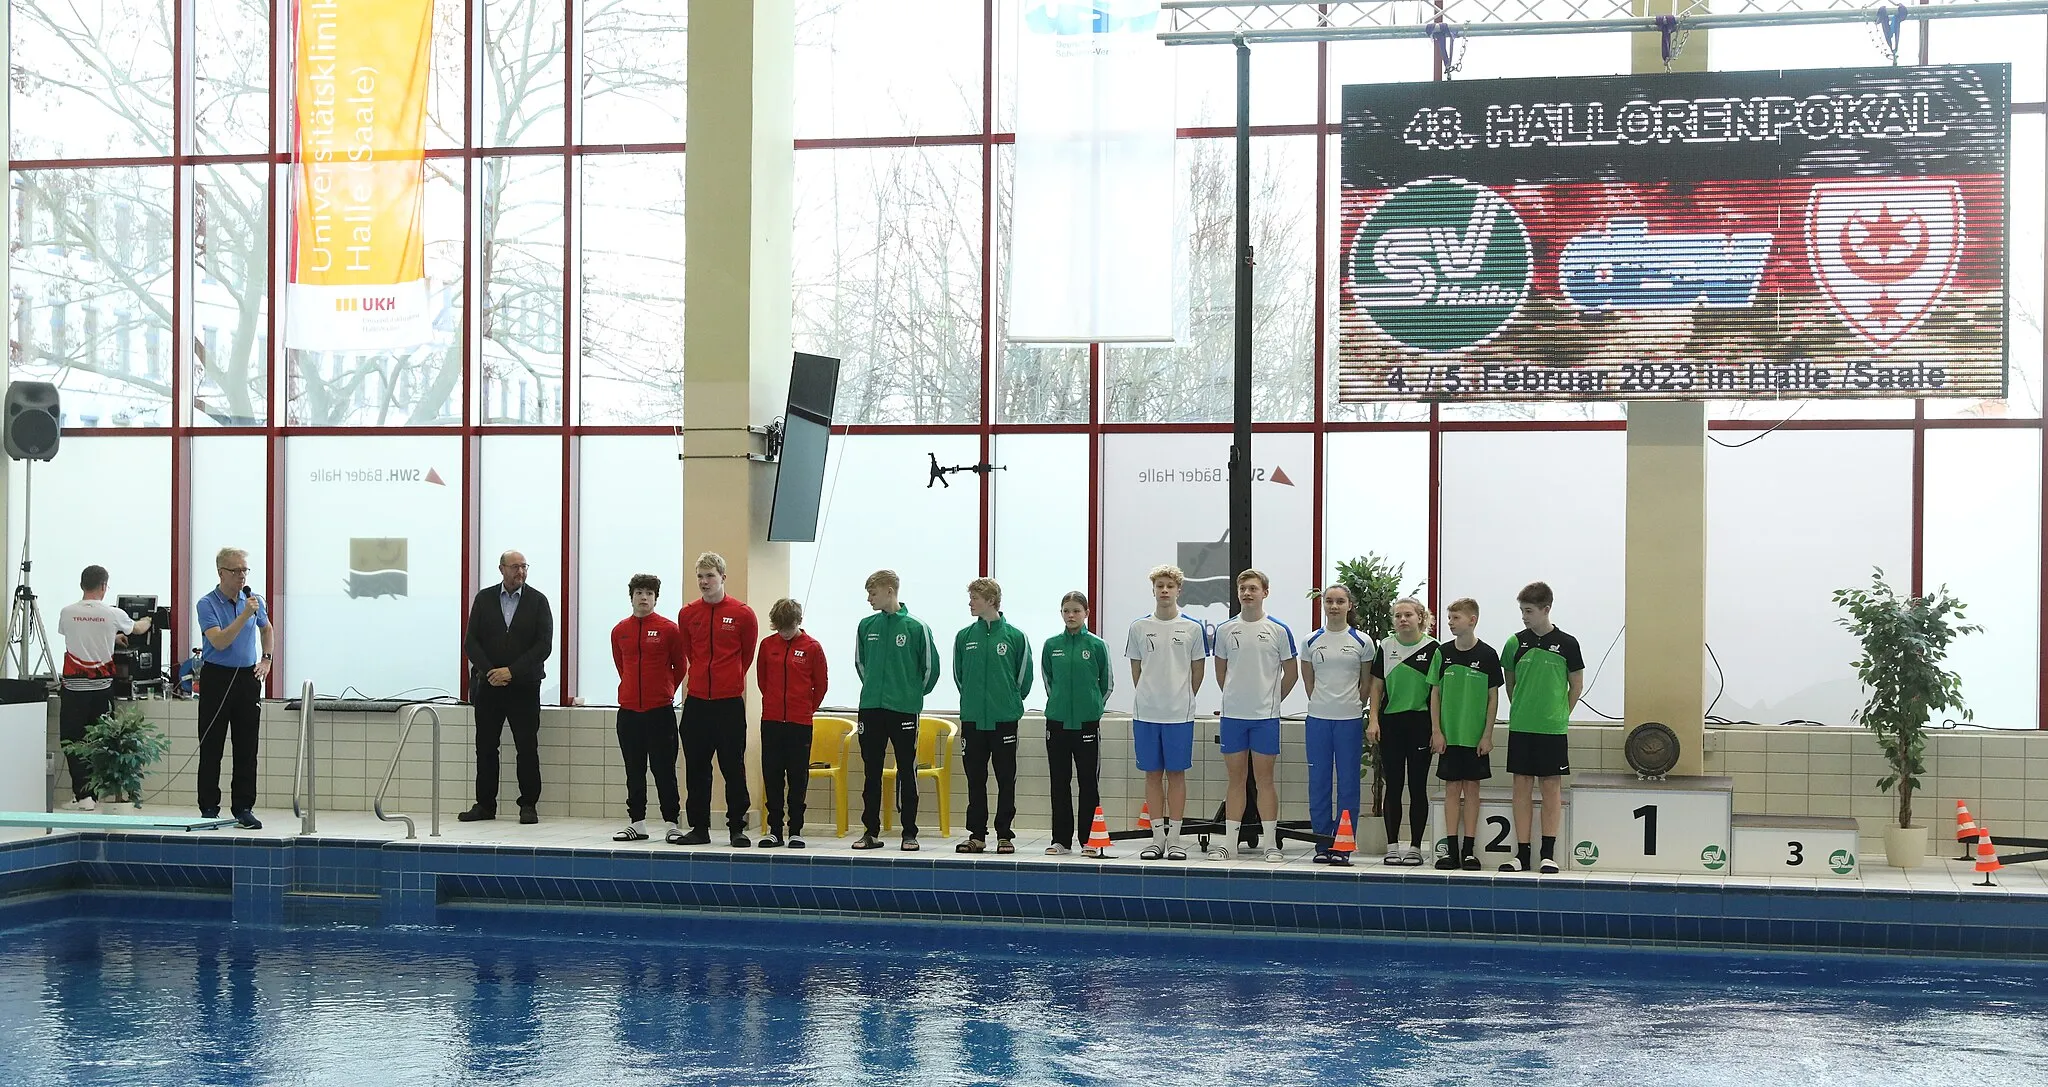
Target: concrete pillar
[(1665, 595), (737, 184)]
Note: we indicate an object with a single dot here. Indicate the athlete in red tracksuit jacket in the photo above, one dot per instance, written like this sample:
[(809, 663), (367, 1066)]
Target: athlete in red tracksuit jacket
[(719, 638), (648, 650), (791, 672)]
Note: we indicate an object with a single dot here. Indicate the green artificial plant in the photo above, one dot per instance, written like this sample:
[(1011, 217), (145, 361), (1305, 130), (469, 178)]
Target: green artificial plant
[(1905, 639), (118, 750)]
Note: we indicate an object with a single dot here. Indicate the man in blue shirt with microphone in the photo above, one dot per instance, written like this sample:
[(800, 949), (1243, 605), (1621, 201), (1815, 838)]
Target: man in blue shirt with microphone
[(235, 647)]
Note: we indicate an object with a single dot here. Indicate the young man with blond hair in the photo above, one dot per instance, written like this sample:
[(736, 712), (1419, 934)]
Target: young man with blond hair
[(720, 635), (1168, 652), (1257, 668), (992, 668), (791, 671), (1463, 703), (898, 665)]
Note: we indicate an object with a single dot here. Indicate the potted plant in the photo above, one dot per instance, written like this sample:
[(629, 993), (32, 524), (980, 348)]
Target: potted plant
[(118, 750), (1905, 639), (1375, 583)]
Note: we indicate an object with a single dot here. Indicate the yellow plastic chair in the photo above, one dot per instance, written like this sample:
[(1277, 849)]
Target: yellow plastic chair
[(830, 738), (935, 739)]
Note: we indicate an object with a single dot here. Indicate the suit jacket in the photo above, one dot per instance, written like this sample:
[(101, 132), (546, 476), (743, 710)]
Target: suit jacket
[(524, 647)]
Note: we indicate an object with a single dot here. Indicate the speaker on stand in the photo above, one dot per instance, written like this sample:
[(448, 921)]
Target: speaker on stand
[(29, 430)]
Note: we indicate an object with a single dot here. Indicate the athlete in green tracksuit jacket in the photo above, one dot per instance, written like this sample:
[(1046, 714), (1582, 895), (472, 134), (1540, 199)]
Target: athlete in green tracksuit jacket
[(1078, 679), (898, 665), (992, 667)]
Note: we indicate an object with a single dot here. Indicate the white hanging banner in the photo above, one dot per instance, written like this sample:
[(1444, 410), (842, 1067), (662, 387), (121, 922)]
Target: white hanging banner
[(1092, 237)]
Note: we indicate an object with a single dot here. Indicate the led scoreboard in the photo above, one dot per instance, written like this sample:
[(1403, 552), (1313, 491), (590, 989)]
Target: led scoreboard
[(1727, 235)]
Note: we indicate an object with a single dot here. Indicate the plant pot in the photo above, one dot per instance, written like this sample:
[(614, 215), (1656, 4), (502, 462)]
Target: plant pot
[(1905, 847)]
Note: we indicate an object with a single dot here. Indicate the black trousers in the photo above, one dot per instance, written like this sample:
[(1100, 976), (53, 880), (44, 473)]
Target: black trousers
[(516, 704), (76, 711), (785, 771), (715, 726), (230, 707), (986, 745), (1404, 747), (1071, 752), (881, 730), (647, 739)]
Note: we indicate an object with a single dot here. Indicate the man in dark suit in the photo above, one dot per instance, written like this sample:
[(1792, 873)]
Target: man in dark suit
[(511, 631)]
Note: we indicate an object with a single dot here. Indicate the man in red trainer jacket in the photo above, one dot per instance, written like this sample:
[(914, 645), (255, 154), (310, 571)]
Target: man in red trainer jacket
[(648, 650), (719, 638)]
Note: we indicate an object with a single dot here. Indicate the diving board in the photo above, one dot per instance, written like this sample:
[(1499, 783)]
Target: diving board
[(85, 820)]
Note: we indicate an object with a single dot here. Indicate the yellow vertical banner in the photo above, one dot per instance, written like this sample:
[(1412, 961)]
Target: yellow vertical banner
[(358, 250)]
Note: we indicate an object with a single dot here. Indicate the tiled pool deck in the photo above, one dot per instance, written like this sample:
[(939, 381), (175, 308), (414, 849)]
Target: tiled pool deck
[(360, 869)]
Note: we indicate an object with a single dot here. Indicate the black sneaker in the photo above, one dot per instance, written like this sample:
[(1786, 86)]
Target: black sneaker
[(696, 836), (770, 841), (246, 820), (479, 813), (740, 840), (209, 813), (528, 815)]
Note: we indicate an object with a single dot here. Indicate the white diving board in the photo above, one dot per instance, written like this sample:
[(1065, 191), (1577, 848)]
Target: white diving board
[(85, 820)]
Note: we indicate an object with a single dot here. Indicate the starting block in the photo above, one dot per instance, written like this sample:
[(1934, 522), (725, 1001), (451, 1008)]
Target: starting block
[(1795, 845), (1629, 824), (1496, 824)]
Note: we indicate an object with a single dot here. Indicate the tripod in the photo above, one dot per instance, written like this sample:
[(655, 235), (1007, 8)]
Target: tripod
[(28, 646)]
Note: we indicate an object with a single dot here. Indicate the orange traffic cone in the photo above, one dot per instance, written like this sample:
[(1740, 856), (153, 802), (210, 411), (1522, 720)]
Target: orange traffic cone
[(1345, 842), (1967, 829), (1987, 860), (1144, 817), (1098, 835)]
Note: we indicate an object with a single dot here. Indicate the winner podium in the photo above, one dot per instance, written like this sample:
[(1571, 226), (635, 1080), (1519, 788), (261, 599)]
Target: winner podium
[(1623, 823)]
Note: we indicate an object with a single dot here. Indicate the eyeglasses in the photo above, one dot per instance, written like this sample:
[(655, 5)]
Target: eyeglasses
[(234, 569)]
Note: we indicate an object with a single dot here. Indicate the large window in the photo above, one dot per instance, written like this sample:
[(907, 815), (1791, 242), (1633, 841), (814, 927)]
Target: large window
[(150, 206)]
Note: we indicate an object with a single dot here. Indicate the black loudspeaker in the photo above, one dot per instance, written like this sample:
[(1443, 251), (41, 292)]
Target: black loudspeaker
[(31, 425)]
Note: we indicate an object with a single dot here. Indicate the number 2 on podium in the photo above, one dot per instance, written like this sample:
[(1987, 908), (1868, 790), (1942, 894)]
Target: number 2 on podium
[(1648, 814)]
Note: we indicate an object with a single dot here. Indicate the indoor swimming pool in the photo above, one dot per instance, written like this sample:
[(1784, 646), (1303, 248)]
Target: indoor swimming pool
[(92, 993)]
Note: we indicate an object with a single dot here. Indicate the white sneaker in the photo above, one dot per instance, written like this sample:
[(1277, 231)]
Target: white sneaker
[(1274, 854), (1393, 855), (85, 804)]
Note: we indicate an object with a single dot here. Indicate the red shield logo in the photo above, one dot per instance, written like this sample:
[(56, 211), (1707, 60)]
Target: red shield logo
[(1883, 251)]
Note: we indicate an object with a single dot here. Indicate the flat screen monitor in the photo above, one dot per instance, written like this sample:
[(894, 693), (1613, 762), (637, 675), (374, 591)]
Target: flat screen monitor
[(806, 431), (136, 606)]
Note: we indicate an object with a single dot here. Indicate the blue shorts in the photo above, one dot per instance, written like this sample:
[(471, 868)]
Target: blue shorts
[(1164, 747), (1260, 737)]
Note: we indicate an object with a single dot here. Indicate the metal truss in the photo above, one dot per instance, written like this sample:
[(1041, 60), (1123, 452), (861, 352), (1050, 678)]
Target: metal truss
[(1208, 22)]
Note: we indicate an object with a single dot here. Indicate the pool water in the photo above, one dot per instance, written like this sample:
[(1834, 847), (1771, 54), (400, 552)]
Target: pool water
[(627, 999)]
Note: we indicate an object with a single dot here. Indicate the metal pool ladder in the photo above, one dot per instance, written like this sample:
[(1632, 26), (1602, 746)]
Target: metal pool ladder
[(303, 772), (408, 715)]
